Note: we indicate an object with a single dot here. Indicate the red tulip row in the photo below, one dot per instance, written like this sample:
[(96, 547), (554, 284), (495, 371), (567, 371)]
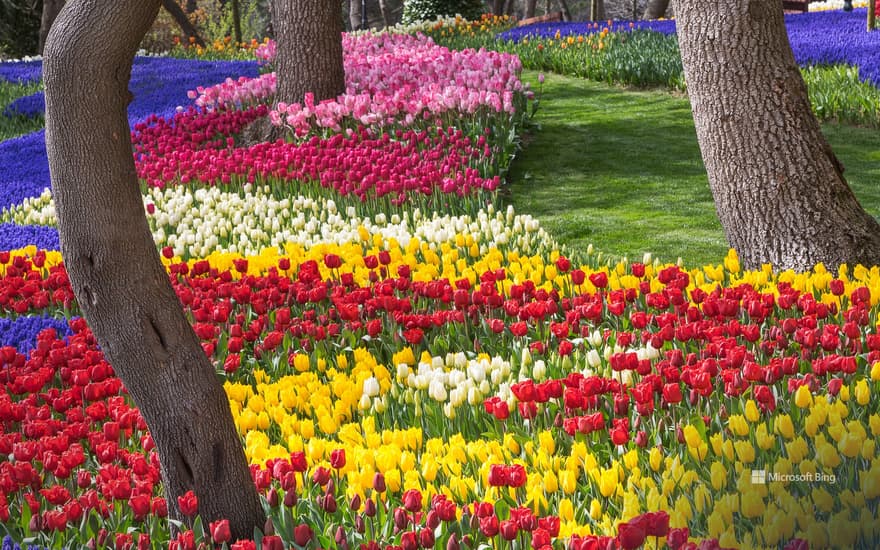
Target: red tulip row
[(193, 147)]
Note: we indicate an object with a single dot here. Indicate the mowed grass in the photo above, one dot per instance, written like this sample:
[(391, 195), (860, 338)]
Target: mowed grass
[(621, 170), (16, 125)]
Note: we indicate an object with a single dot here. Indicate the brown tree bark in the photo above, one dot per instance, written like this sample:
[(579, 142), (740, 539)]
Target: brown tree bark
[(120, 284), (51, 9), (309, 42), (566, 13), (779, 189), (597, 10), (385, 12), (530, 8), (182, 21), (656, 9), (498, 7), (236, 21), (355, 14)]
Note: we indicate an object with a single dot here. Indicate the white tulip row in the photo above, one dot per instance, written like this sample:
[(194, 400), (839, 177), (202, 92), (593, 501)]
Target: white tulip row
[(208, 219)]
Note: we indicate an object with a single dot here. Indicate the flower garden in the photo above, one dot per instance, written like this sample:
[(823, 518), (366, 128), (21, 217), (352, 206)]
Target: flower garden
[(411, 364)]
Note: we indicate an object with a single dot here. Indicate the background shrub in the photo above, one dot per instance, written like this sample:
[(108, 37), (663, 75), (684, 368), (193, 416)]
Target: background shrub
[(426, 10)]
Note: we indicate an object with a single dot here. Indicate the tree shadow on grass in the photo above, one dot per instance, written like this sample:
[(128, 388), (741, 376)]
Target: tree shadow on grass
[(619, 169)]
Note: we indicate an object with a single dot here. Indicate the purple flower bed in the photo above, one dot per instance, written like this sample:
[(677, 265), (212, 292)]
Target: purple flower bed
[(21, 72), (159, 85), (817, 38), (13, 236), (22, 333), (30, 106), (549, 30), (24, 168)]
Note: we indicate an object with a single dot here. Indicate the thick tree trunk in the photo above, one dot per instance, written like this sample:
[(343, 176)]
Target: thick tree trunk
[(498, 7), (385, 12), (120, 284), (51, 9), (355, 14), (236, 21), (182, 21), (778, 188), (656, 9), (566, 13), (309, 38), (530, 8), (597, 10)]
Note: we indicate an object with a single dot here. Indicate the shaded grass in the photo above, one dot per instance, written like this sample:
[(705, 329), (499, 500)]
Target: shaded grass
[(622, 170), (17, 125)]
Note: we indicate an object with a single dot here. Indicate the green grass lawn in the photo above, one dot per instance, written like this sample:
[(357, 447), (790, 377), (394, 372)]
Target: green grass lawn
[(17, 125), (622, 170)]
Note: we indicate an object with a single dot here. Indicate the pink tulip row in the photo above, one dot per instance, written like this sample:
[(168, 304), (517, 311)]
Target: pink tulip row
[(389, 79)]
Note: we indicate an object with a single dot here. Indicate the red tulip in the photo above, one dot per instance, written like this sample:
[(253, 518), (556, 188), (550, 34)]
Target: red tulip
[(337, 458), (220, 531), (188, 504), (302, 534)]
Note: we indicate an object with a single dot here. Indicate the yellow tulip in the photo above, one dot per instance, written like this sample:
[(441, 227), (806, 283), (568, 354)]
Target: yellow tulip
[(802, 397), (692, 436), (784, 426), (849, 445), (751, 505), (568, 481), (718, 475), (737, 424), (875, 371), (874, 423), (751, 411), (655, 457), (862, 392), (744, 451), (608, 482)]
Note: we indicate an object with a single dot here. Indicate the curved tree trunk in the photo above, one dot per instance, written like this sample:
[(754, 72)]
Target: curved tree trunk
[(656, 9), (121, 286), (51, 9), (778, 188)]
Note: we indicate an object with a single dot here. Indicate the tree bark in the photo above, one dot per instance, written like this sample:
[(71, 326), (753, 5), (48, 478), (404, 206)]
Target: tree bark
[(597, 10), (120, 284), (355, 14), (236, 21), (386, 16), (530, 8), (182, 21), (51, 9), (779, 189), (566, 13), (656, 9), (498, 7), (309, 42)]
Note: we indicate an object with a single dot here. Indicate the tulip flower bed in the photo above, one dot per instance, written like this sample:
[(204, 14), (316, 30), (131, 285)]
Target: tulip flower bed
[(441, 374), (384, 397)]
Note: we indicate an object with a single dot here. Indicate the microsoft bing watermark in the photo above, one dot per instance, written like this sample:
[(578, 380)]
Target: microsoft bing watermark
[(761, 477)]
